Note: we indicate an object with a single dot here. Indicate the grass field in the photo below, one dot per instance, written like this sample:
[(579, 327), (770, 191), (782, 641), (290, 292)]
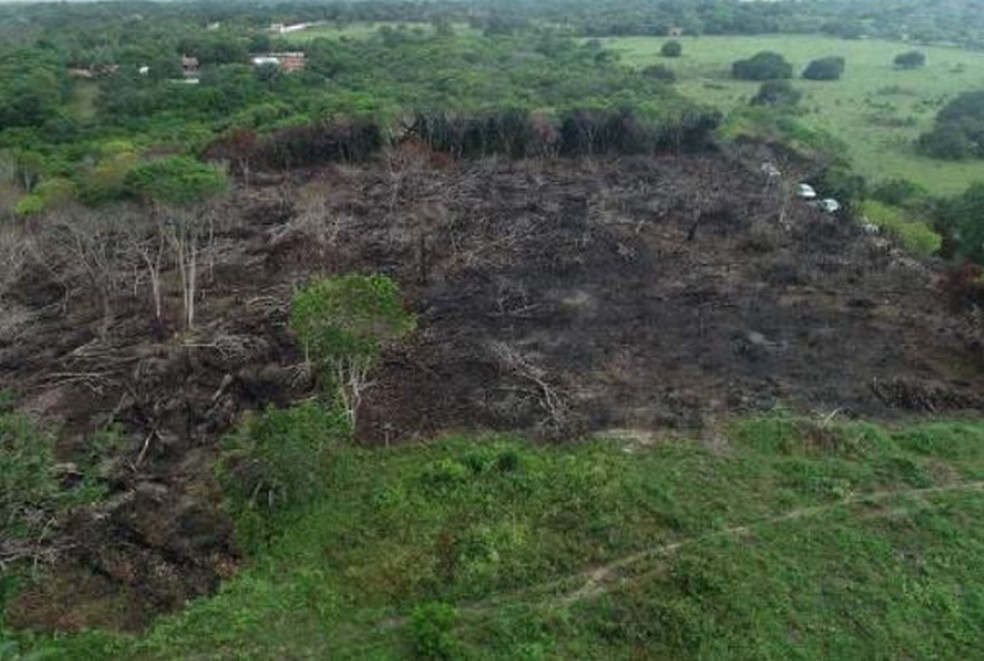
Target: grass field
[(876, 109), (782, 538), (365, 30)]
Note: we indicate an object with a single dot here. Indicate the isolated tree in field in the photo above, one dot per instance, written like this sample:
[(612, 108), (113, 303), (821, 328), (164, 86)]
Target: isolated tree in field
[(671, 49), (912, 59), (659, 72), (177, 187), (826, 68), (959, 131), (776, 93), (765, 65), (966, 214), (344, 323)]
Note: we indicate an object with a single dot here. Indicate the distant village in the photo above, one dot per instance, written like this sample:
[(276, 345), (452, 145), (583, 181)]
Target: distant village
[(286, 61)]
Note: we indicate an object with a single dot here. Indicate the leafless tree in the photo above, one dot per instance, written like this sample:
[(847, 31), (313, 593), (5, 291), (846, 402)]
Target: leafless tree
[(185, 231), (13, 257), (145, 245), (84, 246)]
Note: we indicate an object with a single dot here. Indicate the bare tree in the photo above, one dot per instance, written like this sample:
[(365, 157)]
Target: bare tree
[(145, 245), (13, 257), (150, 250), (183, 230), (85, 247)]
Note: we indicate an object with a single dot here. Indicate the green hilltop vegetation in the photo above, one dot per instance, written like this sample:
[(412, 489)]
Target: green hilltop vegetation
[(781, 537)]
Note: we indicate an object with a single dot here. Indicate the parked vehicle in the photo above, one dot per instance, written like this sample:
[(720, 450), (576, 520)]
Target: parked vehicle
[(771, 171), (806, 192)]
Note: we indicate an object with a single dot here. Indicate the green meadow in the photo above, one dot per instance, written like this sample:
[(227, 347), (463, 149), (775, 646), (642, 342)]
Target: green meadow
[(777, 538), (876, 109), (364, 30)]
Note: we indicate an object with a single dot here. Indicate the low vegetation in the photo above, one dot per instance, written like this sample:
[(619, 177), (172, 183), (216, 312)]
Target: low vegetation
[(912, 233), (785, 535), (777, 93)]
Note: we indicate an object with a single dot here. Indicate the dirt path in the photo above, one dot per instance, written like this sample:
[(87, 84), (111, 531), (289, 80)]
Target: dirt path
[(604, 578)]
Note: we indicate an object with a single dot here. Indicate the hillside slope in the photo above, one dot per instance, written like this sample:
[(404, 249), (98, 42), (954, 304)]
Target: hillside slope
[(558, 298)]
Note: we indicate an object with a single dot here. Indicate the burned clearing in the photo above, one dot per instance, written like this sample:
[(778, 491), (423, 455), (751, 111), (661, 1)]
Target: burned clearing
[(559, 297)]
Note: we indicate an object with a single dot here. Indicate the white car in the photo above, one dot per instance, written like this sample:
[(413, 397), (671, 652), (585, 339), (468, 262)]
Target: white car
[(830, 205), (805, 191), (771, 171)]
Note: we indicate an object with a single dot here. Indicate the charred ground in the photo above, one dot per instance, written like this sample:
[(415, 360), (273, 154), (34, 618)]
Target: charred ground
[(558, 296)]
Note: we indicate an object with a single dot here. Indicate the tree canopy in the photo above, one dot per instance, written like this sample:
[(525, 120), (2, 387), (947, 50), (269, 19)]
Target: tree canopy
[(671, 49), (776, 93), (343, 323), (765, 65), (912, 59), (825, 68), (177, 180), (959, 130)]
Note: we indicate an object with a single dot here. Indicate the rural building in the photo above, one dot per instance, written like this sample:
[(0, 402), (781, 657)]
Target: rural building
[(283, 28), (289, 62), (189, 66), (675, 31), (95, 70)]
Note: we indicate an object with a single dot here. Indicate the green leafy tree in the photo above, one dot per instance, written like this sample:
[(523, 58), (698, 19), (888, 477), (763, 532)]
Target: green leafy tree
[(176, 180), (277, 463), (29, 205), (912, 59), (765, 65), (826, 68), (31, 498), (659, 72), (966, 214), (776, 93), (959, 130), (432, 631), (671, 49), (343, 323)]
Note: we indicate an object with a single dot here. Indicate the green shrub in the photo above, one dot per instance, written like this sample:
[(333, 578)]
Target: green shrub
[(175, 180), (826, 68), (671, 49), (765, 65), (28, 487), (277, 463), (432, 631), (659, 72), (915, 236), (343, 323), (29, 205), (912, 59), (776, 93), (898, 192)]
